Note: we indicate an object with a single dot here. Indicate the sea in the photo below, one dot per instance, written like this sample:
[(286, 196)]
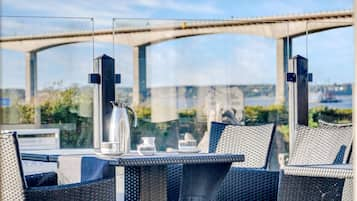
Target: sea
[(345, 101)]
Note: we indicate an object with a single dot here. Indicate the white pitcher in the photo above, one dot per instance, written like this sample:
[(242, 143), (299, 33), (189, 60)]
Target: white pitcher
[(119, 131)]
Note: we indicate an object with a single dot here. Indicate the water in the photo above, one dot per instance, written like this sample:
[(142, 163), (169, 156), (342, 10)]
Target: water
[(346, 101)]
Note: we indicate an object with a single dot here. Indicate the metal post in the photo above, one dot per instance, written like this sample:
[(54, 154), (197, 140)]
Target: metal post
[(31, 85), (298, 79), (139, 87), (31, 76), (283, 54), (104, 92)]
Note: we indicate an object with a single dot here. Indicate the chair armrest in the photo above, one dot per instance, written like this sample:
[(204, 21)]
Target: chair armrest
[(42, 179), (100, 190), (338, 171), (246, 184)]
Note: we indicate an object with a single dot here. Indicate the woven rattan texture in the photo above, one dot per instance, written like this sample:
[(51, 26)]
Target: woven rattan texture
[(176, 159), (321, 145), (145, 183), (94, 191), (328, 144), (11, 184), (329, 171), (132, 183), (13, 189), (294, 188), (153, 183), (252, 141), (240, 183), (245, 184), (320, 173), (174, 177)]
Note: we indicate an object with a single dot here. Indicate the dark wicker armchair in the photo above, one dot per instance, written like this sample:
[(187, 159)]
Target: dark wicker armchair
[(317, 146), (14, 186), (249, 180)]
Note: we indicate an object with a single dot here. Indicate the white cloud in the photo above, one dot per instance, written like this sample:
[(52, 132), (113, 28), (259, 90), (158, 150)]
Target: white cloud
[(103, 12)]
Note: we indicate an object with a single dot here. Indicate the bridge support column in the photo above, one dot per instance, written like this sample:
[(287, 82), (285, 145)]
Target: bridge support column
[(31, 84), (139, 87), (283, 54)]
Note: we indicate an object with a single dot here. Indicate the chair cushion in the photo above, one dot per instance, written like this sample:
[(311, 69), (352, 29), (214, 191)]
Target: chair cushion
[(79, 168)]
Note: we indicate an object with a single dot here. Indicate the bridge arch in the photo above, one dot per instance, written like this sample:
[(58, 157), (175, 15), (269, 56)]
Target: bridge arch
[(139, 38)]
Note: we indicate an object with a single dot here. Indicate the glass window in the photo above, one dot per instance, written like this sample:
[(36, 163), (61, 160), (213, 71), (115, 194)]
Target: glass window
[(180, 75), (44, 78), (330, 60)]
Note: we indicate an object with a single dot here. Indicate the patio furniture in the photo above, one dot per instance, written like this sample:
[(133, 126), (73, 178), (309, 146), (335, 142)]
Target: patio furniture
[(14, 186), (316, 146), (324, 145), (324, 124), (317, 182), (145, 177), (249, 180), (202, 175)]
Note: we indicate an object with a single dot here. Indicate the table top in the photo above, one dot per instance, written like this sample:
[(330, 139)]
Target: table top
[(174, 158), (134, 159), (331, 171), (51, 155)]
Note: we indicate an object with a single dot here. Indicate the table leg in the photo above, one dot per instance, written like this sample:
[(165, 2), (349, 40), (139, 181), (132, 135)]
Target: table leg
[(146, 183), (201, 181)]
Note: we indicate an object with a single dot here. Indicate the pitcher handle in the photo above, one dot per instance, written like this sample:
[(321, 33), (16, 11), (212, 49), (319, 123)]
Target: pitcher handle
[(134, 113), (113, 103)]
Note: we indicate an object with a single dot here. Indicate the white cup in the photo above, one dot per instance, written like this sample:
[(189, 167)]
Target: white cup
[(147, 147)]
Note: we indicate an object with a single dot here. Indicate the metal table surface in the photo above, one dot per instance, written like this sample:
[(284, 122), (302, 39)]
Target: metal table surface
[(146, 177)]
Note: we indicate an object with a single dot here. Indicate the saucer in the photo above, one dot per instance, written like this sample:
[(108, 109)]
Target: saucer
[(196, 150)]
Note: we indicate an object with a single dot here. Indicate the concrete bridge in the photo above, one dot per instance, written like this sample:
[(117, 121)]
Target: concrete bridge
[(281, 28)]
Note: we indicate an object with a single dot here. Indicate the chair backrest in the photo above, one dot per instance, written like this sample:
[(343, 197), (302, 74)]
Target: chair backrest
[(12, 182), (324, 124), (323, 145), (252, 141)]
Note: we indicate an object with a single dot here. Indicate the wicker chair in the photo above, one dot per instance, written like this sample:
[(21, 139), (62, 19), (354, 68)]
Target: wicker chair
[(314, 146), (14, 186), (249, 180), (347, 189)]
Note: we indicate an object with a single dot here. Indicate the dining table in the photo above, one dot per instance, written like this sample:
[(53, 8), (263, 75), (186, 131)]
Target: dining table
[(146, 178)]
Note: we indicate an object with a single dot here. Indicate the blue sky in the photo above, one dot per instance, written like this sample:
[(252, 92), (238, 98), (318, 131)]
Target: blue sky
[(215, 59)]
